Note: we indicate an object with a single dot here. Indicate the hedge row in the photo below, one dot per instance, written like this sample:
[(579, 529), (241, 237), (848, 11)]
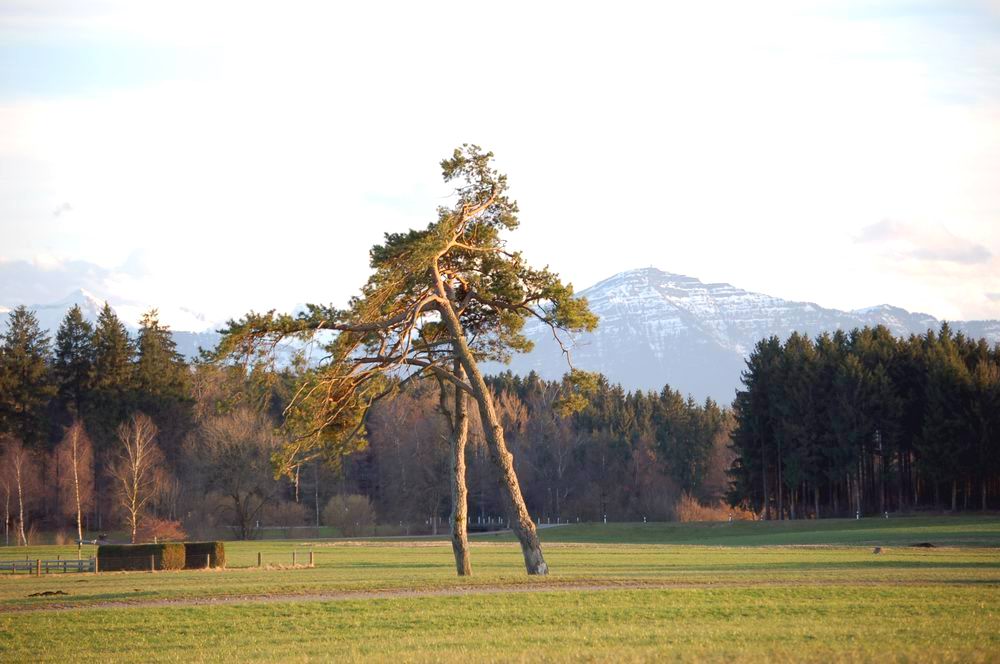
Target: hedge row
[(197, 554), (126, 557), (168, 555)]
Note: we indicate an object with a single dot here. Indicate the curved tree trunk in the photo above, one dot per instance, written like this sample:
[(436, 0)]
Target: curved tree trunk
[(459, 491), (517, 511)]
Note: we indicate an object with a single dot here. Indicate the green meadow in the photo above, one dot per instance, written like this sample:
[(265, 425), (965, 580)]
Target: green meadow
[(795, 591)]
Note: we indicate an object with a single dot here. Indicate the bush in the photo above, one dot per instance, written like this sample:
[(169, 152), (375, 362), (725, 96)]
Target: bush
[(126, 557), (195, 555), (689, 509), (284, 514), (152, 529), (352, 515)]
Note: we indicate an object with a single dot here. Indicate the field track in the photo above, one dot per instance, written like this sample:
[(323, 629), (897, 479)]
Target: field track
[(398, 593)]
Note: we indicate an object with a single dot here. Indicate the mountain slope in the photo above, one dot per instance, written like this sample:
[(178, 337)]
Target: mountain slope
[(657, 328)]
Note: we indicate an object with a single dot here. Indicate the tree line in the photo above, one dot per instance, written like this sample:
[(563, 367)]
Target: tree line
[(105, 430), (861, 422), (623, 456)]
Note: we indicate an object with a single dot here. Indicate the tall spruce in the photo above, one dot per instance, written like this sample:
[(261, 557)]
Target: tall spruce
[(160, 381), (73, 367), (112, 378), (25, 386)]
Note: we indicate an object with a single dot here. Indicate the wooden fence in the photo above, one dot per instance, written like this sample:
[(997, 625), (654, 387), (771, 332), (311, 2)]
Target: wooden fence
[(39, 566)]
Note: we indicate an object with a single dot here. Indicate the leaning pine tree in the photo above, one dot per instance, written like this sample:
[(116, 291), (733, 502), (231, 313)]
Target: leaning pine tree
[(439, 301)]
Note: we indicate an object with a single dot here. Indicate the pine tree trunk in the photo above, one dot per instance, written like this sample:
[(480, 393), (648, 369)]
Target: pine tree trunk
[(983, 494), (954, 496), (816, 500), (459, 491), (517, 511)]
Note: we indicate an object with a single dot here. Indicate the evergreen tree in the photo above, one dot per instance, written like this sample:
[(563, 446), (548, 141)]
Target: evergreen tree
[(25, 386), (112, 377), (160, 379), (160, 369), (73, 368)]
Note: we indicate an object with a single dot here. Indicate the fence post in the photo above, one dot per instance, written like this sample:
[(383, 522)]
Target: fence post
[(38, 567), (293, 558), (152, 563), (208, 561), (95, 564), (312, 561), (259, 560)]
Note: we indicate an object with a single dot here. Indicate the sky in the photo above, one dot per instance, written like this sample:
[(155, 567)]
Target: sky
[(219, 157)]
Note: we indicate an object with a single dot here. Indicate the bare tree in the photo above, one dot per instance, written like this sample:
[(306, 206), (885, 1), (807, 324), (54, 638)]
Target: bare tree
[(75, 459), (135, 470), (6, 486), (21, 478), (231, 454)]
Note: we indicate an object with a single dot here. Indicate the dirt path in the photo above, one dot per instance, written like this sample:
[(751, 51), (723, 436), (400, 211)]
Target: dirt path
[(455, 591), (342, 596)]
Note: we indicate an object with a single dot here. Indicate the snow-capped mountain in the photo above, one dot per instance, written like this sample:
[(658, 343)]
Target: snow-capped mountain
[(655, 328), (660, 328)]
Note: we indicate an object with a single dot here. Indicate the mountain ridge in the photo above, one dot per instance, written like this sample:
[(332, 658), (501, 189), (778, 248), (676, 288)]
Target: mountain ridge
[(661, 328), (655, 328)]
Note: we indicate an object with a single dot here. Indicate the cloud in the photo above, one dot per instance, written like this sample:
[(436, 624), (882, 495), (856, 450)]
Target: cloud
[(48, 279), (993, 297), (62, 209), (909, 241), (967, 255)]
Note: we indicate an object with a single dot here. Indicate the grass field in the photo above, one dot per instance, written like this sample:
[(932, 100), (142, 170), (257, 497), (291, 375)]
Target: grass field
[(751, 591)]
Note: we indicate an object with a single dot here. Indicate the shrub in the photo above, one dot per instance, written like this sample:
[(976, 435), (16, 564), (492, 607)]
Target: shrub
[(286, 515), (195, 555), (125, 557), (352, 515), (153, 529), (689, 509)]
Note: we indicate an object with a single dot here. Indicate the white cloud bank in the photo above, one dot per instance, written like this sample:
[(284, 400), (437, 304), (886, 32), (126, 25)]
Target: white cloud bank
[(738, 142)]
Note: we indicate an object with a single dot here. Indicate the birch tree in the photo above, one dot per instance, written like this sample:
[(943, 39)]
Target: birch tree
[(438, 302), (75, 458), (135, 469), (20, 479)]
